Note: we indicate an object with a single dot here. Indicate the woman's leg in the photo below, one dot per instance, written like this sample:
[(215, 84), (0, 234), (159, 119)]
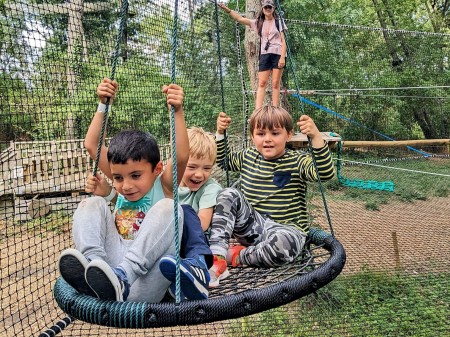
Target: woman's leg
[(276, 85), (263, 78)]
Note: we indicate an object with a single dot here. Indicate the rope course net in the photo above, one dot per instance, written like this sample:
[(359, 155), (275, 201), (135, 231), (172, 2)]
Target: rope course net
[(367, 84)]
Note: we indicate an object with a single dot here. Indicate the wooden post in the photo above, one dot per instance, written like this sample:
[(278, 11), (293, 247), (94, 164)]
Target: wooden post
[(251, 43), (396, 250)]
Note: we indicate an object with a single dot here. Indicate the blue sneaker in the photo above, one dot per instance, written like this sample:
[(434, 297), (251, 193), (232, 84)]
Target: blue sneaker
[(194, 276), (108, 283), (72, 266)]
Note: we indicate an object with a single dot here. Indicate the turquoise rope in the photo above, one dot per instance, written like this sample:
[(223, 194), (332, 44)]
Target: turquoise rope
[(174, 157), (359, 183), (334, 113)]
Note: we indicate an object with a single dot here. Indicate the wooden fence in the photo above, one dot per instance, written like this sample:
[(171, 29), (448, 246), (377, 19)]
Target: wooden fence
[(39, 174)]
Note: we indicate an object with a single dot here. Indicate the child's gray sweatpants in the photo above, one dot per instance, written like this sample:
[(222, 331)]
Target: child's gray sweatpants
[(95, 235)]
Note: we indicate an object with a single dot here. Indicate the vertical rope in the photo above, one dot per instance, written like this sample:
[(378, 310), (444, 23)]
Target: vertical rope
[(310, 147), (219, 54), (123, 18), (243, 84), (174, 157)]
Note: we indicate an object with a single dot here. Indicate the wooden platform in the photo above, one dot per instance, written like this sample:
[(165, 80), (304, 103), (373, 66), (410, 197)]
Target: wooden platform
[(299, 140)]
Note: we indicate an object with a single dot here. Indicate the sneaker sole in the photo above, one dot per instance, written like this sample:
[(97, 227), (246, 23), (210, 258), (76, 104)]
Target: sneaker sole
[(224, 275), (195, 291), (103, 281), (72, 266)]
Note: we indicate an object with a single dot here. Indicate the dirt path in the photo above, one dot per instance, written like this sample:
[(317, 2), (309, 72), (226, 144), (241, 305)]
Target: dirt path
[(421, 228)]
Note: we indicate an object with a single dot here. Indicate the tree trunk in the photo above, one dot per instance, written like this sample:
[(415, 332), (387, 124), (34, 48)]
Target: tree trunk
[(396, 61), (423, 119), (394, 25), (251, 44), (74, 38)]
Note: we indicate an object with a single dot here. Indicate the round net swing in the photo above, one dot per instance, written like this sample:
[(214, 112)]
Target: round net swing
[(395, 279), (250, 290)]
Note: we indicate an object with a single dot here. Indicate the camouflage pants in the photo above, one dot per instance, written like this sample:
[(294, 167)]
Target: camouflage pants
[(269, 244)]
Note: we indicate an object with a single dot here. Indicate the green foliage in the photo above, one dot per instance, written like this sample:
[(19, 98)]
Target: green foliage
[(327, 58), (55, 222), (333, 185), (375, 304), (372, 206), (443, 192)]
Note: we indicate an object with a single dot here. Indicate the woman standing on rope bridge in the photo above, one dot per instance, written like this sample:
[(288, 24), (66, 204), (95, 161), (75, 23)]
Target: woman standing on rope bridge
[(272, 50)]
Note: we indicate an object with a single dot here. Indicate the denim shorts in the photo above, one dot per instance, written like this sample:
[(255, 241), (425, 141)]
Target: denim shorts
[(268, 61)]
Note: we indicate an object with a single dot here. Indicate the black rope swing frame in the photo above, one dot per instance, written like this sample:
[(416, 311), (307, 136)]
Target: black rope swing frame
[(245, 292)]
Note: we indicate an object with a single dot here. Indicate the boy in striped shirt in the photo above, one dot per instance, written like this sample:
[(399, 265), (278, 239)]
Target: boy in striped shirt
[(268, 215)]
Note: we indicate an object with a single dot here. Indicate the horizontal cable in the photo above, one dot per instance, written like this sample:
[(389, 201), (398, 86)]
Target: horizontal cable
[(402, 31)]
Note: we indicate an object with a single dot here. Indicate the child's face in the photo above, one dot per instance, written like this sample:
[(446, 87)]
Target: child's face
[(197, 173), (134, 178), (271, 143)]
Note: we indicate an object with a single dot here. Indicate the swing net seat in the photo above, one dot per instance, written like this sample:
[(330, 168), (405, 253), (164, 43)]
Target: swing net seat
[(260, 291), (245, 292), (395, 279)]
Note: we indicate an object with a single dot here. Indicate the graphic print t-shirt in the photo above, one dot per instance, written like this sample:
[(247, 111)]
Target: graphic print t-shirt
[(129, 215)]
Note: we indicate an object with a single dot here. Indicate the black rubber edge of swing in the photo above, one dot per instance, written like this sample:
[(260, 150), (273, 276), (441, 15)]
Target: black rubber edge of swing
[(152, 315)]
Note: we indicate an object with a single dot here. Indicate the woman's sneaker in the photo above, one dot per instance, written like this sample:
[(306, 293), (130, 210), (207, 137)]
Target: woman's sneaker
[(218, 271), (194, 276), (108, 283), (72, 266)]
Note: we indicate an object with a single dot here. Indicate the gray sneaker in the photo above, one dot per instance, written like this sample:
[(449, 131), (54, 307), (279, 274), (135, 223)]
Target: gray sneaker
[(108, 283), (72, 266)]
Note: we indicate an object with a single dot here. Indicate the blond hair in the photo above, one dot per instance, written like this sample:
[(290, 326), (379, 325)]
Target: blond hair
[(271, 117), (201, 144)]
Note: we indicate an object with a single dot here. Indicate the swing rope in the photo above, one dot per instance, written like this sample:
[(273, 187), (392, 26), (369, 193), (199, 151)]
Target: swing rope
[(115, 59), (310, 147), (246, 101), (219, 55), (174, 158)]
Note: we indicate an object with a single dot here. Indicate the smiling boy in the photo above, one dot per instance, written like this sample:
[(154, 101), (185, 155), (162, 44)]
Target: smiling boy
[(116, 255), (199, 190), (268, 215)]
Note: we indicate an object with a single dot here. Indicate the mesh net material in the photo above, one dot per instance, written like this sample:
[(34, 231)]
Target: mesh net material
[(54, 54)]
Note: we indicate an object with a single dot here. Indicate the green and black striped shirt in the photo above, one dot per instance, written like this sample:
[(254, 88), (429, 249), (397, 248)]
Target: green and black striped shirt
[(277, 188)]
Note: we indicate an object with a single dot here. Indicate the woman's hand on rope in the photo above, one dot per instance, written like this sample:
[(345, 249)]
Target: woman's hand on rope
[(174, 96), (97, 185), (224, 7), (223, 122), (107, 89)]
